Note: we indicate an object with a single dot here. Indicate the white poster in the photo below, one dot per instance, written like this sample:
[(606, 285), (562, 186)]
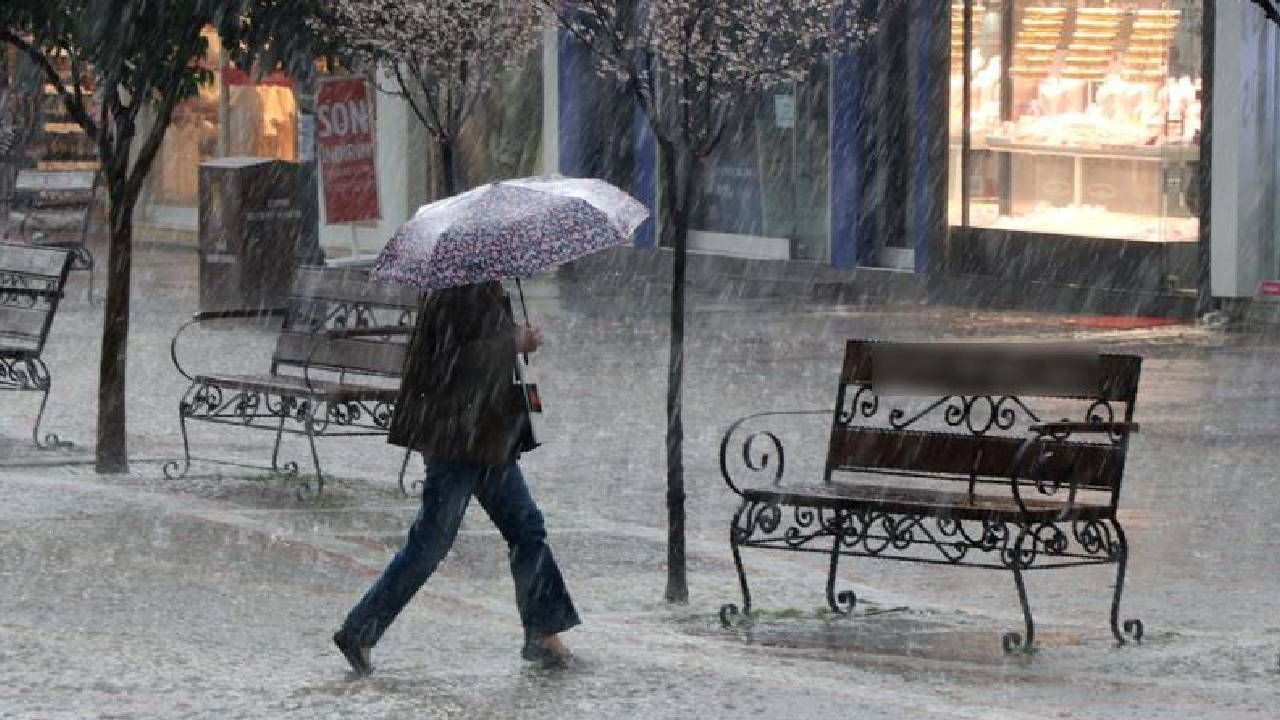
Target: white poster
[(784, 111), (306, 138)]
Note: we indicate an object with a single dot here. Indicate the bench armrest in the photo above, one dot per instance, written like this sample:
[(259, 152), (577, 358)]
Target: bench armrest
[(1046, 438), (238, 314), (755, 457), (1029, 461)]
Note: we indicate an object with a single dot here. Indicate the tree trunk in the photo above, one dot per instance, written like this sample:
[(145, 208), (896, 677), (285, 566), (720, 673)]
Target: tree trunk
[(679, 176), (447, 178), (112, 452)]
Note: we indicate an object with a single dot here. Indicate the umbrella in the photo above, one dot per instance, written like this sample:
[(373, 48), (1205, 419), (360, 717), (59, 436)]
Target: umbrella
[(507, 229)]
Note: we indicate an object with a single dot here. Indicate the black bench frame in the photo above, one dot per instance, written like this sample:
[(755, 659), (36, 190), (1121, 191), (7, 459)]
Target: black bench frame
[(31, 285), (360, 338), (1040, 470)]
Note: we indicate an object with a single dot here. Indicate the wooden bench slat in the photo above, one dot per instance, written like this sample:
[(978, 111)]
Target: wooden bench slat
[(350, 286), (23, 323), (9, 352), (1117, 374), (28, 260), (356, 355), (1095, 467)]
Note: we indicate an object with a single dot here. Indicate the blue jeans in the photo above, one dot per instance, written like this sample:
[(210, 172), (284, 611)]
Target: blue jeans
[(541, 595)]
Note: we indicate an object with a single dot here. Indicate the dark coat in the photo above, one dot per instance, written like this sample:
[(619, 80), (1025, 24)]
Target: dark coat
[(457, 399)]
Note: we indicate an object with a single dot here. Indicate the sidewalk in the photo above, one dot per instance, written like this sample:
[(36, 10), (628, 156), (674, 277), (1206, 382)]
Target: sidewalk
[(137, 597)]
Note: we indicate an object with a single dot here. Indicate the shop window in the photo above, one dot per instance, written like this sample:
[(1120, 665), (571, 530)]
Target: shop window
[(1083, 117), (262, 116), (503, 136), (768, 175), (191, 139), (236, 113)]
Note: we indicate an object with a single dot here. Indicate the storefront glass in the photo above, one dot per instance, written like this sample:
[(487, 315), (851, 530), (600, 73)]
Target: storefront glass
[(502, 137), (262, 116), (232, 115), (768, 175), (191, 139), (1083, 117)]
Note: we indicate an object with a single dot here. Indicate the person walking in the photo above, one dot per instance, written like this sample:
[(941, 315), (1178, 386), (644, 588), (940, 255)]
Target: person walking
[(459, 406)]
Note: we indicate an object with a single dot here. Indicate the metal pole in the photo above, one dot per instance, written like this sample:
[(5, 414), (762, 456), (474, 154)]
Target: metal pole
[(524, 311), (966, 119), (1006, 103)]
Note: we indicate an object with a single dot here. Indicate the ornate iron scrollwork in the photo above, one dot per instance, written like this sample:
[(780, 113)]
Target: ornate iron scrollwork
[(976, 414), (209, 401), (24, 374), (760, 452), (876, 533), (16, 290), (979, 414), (864, 403)]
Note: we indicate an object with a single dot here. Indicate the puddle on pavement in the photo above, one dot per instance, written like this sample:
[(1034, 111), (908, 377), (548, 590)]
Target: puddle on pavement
[(890, 632)]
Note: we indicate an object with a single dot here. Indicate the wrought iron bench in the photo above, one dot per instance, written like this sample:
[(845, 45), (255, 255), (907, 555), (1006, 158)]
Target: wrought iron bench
[(335, 377), (31, 283), (54, 208), (961, 473)]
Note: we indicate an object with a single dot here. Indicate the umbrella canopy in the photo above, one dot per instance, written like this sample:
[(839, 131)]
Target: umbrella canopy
[(508, 229)]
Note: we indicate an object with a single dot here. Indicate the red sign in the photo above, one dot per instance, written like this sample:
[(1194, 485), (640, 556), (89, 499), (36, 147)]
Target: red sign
[(346, 147), (1271, 288)]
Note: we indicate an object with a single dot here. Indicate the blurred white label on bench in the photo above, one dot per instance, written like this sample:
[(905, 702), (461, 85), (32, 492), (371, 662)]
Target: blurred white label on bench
[(969, 369)]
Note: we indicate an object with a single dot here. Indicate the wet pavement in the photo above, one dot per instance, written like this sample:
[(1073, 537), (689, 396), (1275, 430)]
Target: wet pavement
[(213, 597)]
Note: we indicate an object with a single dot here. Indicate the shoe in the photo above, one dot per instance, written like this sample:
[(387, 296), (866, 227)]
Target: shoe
[(546, 651), (356, 655)]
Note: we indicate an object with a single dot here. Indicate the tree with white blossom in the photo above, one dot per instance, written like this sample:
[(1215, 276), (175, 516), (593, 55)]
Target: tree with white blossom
[(688, 63), (442, 56)]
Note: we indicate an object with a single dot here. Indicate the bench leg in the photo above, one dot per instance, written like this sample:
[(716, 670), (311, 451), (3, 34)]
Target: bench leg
[(729, 611), (310, 425), (1013, 642), (40, 378), (404, 465), (1131, 627), (172, 469), (86, 262), (841, 603), (290, 468)]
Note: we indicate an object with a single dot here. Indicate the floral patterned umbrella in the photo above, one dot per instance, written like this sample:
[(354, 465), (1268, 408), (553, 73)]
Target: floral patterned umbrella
[(508, 229)]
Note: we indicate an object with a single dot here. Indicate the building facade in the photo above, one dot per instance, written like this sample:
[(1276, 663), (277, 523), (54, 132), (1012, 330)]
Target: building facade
[(1049, 153), (1063, 149)]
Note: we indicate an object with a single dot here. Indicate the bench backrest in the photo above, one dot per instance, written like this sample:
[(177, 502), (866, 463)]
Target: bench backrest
[(25, 318), (345, 299), (968, 428), (57, 186)]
